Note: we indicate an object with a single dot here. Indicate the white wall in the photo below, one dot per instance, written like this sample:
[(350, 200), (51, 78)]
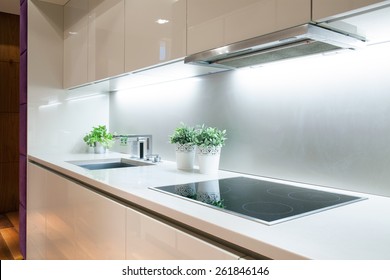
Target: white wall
[(322, 120), (57, 119)]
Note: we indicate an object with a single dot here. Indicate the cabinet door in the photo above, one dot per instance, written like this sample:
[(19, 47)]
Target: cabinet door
[(75, 43), (99, 224), (155, 32), (149, 238), (323, 9), (106, 37), (68, 221), (60, 234), (36, 213), (214, 23)]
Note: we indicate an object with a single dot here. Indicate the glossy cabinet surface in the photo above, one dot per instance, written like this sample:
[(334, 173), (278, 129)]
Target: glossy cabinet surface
[(105, 39), (214, 23), (150, 238), (100, 225), (155, 32), (59, 216), (68, 221), (36, 213), (327, 8), (75, 43)]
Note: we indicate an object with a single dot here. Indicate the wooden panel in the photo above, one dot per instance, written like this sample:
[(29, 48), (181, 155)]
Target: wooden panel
[(9, 140), (9, 87), (9, 183), (9, 37)]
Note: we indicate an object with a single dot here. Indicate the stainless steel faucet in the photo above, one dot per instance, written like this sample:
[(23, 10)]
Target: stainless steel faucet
[(140, 144)]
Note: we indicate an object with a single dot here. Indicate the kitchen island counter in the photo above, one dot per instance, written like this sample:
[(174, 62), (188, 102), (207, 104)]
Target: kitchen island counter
[(354, 231)]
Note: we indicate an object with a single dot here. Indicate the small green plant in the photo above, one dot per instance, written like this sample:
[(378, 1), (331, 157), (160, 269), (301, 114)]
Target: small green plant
[(100, 135), (183, 135), (210, 137)]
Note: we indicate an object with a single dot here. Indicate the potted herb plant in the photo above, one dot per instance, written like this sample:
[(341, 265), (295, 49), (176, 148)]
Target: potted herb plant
[(184, 137), (99, 138), (209, 141)]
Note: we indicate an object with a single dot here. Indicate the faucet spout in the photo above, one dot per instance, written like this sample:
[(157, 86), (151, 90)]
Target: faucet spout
[(139, 145)]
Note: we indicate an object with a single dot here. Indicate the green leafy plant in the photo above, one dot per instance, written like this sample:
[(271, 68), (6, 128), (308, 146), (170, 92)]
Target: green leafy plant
[(100, 135), (183, 135), (210, 137)]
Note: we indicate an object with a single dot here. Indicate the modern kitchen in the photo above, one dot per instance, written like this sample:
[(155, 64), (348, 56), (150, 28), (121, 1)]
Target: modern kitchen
[(299, 88)]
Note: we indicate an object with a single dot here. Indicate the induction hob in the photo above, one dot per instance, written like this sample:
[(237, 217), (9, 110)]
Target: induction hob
[(259, 200)]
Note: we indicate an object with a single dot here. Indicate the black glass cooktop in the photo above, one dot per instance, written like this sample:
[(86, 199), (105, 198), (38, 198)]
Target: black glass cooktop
[(262, 201)]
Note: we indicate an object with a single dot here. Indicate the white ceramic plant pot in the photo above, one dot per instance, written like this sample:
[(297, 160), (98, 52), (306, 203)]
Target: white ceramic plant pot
[(99, 149), (208, 159), (90, 150), (185, 156)]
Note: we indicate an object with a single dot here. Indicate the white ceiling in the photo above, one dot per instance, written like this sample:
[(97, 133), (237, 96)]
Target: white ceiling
[(10, 6)]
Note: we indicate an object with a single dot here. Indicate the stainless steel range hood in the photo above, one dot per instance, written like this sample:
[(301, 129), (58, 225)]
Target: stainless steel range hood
[(294, 42)]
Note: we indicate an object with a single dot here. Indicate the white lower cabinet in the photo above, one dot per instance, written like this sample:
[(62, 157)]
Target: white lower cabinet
[(67, 220), (100, 226), (36, 213), (150, 238)]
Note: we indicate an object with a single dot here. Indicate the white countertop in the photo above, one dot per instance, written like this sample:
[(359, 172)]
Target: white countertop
[(359, 230)]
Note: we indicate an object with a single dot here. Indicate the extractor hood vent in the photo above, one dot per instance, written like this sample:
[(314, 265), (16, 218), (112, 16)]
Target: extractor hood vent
[(295, 42)]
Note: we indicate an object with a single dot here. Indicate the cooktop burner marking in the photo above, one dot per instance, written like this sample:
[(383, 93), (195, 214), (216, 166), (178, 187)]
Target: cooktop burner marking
[(315, 196), (267, 208), (305, 195)]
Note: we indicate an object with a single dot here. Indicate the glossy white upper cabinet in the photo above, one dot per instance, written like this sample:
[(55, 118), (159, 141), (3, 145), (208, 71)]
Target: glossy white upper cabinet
[(93, 40), (324, 9), (149, 238), (106, 54), (155, 32), (215, 23), (75, 43)]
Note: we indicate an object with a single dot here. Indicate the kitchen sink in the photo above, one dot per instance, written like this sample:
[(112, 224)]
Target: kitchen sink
[(110, 163)]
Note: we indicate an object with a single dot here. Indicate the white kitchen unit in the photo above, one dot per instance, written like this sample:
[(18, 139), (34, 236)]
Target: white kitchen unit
[(325, 9), (106, 53), (155, 29), (150, 238), (36, 212), (93, 41), (212, 24), (68, 221), (161, 226), (60, 235), (99, 224), (75, 43)]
